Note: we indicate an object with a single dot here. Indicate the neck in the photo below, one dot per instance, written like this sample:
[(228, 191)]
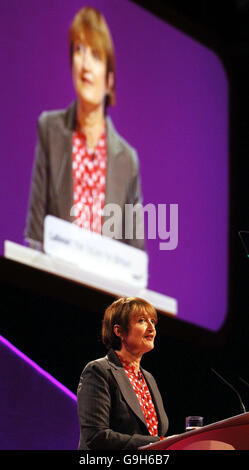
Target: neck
[(91, 122), (133, 357)]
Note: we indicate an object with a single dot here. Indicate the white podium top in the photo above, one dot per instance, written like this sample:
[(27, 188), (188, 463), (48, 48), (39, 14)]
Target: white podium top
[(70, 271)]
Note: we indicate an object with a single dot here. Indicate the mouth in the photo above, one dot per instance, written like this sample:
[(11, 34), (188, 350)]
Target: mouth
[(86, 80), (150, 337)]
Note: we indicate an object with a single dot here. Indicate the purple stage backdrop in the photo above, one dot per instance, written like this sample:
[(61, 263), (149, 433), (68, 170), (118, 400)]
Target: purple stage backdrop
[(36, 411), (172, 106)]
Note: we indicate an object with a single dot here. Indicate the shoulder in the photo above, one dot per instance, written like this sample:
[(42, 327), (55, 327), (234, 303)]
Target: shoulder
[(94, 374), (51, 116), (97, 366), (104, 364), (60, 117)]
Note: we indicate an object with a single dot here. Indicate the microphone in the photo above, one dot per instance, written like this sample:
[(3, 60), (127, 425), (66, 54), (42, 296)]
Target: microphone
[(244, 381), (244, 243), (242, 406)]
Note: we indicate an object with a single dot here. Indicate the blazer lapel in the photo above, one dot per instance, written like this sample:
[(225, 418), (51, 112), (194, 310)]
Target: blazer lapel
[(64, 180), (157, 400), (128, 392), (113, 148), (64, 188), (116, 176), (125, 385)]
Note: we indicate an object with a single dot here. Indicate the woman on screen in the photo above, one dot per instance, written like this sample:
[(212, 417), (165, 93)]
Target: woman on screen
[(82, 164), (119, 404)]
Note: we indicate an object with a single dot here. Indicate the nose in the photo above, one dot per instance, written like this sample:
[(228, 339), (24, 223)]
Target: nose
[(151, 325), (86, 58)]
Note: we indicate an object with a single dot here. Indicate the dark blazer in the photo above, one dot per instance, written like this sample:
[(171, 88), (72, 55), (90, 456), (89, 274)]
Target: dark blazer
[(109, 412), (52, 178)]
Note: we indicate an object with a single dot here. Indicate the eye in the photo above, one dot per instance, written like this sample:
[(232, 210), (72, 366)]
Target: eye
[(141, 319), (96, 54), (78, 47)]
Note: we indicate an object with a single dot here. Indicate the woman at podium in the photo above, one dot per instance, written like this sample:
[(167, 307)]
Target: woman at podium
[(119, 404), (81, 163)]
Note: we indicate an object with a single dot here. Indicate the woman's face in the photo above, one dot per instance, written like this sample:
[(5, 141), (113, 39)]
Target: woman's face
[(141, 335), (89, 75)]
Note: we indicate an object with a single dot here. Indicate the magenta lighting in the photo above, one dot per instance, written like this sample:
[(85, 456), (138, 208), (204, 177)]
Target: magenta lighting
[(41, 371)]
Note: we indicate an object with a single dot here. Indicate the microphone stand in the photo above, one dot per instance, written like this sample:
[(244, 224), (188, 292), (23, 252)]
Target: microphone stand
[(242, 406), (244, 381)]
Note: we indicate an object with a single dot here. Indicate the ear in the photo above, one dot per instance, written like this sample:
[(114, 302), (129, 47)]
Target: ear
[(117, 331), (110, 81)]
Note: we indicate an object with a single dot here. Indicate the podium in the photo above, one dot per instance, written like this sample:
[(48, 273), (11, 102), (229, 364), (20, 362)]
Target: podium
[(228, 434)]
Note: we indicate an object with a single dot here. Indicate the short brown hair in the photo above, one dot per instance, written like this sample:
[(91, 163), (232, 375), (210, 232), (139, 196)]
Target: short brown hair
[(89, 25), (119, 313)]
